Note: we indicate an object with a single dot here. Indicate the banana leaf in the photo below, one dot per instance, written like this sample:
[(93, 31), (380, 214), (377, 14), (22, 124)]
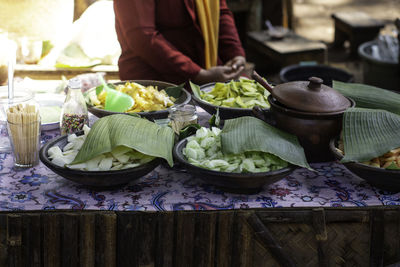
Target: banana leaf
[(251, 134), (122, 130), (367, 96), (369, 133), (175, 91), (195, 89)]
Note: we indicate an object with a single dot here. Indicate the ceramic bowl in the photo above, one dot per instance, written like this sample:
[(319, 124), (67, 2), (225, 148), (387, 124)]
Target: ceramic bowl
[(98, 179), (388, 180), (184, 98), (225, 113), (244, 183)]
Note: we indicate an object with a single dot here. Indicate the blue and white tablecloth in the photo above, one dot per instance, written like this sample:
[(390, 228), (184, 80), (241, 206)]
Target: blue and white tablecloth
[(38, 188)]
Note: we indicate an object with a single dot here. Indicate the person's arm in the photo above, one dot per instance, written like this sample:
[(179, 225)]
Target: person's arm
[(137, 22), (229, 45)]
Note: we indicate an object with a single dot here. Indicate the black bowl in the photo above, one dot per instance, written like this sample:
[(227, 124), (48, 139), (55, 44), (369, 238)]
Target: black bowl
[(243, 183), (225, 113), (325, 72), (388, 180), (184, 98), (98, 179)]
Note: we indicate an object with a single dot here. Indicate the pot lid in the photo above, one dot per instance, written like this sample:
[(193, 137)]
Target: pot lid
[(310, 96)]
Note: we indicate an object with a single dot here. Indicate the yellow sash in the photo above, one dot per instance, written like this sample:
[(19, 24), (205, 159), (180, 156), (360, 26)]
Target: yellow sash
[(208, 15)]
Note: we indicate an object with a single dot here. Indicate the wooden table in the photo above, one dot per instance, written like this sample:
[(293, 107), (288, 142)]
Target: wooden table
[(39, 72), (292, 49), (247, 238), (357, 27)]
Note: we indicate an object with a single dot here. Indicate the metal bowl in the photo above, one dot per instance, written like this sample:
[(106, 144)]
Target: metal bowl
[(243, 183), (388, 180), (184, 98), (98, 179), (225, 113)]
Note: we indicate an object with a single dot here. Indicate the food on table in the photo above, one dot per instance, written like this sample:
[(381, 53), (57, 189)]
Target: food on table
[(244, 93), (145, 98), (71, 123), (50, 114), (204, 150), (121, 157), (389, 160)]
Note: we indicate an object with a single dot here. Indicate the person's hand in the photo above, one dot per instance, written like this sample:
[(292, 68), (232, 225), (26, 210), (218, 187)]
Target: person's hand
[(236, 62), (218, 74)]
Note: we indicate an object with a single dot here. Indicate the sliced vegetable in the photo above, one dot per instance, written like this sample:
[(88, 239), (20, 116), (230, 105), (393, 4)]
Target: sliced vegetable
[(121, 157), (204, 150), (142, 135), (244, 93)]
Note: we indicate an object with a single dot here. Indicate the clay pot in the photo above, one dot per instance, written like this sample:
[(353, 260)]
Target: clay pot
[(311, 111)]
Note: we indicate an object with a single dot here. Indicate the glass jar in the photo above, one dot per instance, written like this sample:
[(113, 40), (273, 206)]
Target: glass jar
[(23, 128), (20, 97), (74, 113), (181, 116)]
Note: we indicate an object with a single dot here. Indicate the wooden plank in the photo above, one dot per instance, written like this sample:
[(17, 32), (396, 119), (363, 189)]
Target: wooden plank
[(268, 241), (305, 216), (87, 239), (14, 240), (204, 239), (105, 254), (321, 235), (165, 239), (51, 239), (3, 239), (148, 223), (242, 243), (184, 244), (70, 240), (224, 237), (127, 237), (31, 240), (377, 238)]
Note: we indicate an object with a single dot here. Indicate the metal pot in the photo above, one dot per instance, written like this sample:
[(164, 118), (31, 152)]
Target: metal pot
[(311, 111)]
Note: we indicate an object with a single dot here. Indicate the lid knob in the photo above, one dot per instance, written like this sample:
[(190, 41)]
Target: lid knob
[(315, 83)]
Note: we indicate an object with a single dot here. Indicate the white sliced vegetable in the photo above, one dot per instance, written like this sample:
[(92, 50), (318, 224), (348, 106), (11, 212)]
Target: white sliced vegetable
[(120, 150), (93, 164), (105, 164), (71, 137), (202, 132), (54, 152), (68, 146), (122, 158), (59, 161), (77, 166)]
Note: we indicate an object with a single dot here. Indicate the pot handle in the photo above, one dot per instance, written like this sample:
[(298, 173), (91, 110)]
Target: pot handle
[(263, 114)]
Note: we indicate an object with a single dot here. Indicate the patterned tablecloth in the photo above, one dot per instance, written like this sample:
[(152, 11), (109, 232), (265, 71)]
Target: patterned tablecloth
[(38, 188)]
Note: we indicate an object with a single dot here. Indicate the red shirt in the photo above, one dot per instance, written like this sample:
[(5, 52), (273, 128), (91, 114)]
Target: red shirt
[(161, 39)]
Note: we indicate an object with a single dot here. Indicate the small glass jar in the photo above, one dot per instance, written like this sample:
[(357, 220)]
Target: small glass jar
[(20, 97), (181, 116), (23, 127), (74, 113)]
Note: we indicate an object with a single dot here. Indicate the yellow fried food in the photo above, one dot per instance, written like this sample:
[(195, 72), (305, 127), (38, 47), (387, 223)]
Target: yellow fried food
[(145, 98)]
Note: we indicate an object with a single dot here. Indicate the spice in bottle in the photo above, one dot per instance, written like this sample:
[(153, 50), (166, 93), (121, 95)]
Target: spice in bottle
[(74, 114)]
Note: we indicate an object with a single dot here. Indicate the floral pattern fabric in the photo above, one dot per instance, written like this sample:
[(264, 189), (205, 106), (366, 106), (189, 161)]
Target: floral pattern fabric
[(166, 189)]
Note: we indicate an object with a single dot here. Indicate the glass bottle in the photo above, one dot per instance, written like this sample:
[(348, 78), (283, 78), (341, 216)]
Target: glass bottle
[(181, 116), (74, 114)]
